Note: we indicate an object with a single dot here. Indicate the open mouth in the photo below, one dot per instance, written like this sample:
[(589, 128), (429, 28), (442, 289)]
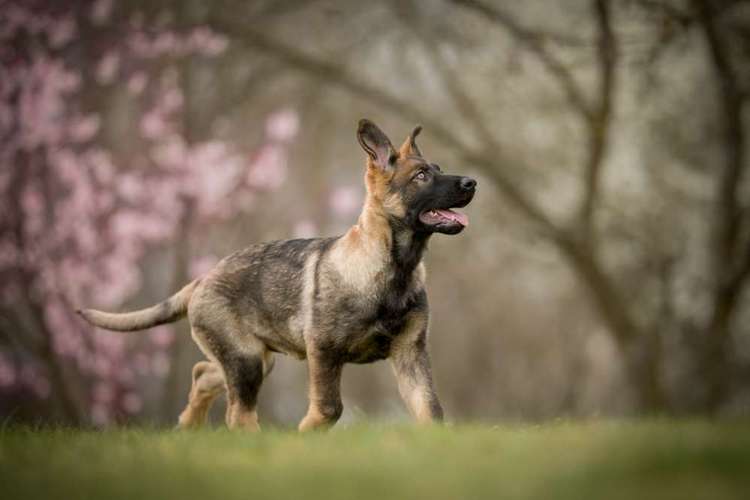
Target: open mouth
[(444, 217)]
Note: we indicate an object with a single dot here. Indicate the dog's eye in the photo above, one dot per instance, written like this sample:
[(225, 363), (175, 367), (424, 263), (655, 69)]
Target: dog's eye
[(421, 175)]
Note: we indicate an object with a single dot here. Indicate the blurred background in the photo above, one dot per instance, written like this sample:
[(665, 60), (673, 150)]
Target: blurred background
[(606, 268)]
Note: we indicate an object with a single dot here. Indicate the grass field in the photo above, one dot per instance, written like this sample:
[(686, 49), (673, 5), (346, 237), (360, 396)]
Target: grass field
[(599, 460)]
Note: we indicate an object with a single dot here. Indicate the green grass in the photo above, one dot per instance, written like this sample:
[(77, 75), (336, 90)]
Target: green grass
[(661, 459)]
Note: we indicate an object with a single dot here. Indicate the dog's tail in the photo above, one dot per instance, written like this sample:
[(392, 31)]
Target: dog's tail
[(172, 309)]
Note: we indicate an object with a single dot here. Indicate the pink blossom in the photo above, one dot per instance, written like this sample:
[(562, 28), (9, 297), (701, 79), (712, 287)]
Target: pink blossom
[(8, 376), (125, 375), (155, 228), (108, 343), (200, 266), (130, 188), (267, 168), (132, 403), (153, 125), (32, 200), (345, 201), (139, 44), (87, 238), (122, 281), (68, 81), (172, 100), (41, 102), (282, 125), (65, 341), (137, 83), (66, 164), (170, 152), (90, 216), (83, 128), (106, 70), (102, 367), (61, 31), (203, 40), (160, 364), (9, 254), (162, 336), (101, 10), (164, 43), (101, 162), (103, 392), (32, 377), (142, 363), (216, 173)]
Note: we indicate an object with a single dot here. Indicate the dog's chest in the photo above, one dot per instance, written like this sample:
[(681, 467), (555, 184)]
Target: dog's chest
[(381, 323)]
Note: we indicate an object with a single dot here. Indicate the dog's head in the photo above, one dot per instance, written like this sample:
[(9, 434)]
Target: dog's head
[(408, 188)]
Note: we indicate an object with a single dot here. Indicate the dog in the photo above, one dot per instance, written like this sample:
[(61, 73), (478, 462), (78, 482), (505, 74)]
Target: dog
[(355, 298)]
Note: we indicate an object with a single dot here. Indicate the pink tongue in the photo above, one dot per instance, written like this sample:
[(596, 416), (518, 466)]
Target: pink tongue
[(454, 216)]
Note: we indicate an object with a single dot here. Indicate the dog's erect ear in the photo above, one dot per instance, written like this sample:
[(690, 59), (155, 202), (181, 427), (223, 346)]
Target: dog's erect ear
[(376, 144), (409, 147)]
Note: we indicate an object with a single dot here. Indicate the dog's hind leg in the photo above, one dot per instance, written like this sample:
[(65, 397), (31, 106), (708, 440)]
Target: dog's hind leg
[(244, 361), (244, 367), (208, 383), (244, 374)]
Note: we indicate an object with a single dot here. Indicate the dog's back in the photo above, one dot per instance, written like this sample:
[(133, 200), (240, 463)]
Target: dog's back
[(267, 288)]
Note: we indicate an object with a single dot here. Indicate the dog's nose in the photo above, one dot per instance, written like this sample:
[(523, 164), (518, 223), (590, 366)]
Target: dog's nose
[(467, 183)]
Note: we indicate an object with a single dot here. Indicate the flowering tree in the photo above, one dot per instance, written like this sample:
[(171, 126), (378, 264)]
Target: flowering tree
[(77, 217)]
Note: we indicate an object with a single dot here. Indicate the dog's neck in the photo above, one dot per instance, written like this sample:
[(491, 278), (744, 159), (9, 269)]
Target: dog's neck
[(401, 246), (407, 247)]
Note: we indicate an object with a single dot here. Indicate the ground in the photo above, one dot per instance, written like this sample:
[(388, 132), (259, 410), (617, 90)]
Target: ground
[(659, 459)]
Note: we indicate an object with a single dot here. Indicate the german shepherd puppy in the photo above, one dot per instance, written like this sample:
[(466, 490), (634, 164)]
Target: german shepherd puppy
[(355, 298)]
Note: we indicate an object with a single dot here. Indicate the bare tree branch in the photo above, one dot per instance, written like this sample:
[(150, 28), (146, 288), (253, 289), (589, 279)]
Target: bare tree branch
[(595, 117), (537, 36), (534, 44), (450, 79), (599, 119)]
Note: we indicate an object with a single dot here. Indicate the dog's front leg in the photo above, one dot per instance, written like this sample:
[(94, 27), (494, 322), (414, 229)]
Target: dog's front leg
[(411, 365), (324, 391)]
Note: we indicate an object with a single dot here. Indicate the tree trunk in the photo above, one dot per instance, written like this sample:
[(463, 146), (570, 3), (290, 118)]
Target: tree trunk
[(730, 252), (640, 350), (173, 397), (643, 363), (716, 359)]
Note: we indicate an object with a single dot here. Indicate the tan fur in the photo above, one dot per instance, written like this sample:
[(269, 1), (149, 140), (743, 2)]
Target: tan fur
[(170, 310), (240, 418), (208, 384)]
